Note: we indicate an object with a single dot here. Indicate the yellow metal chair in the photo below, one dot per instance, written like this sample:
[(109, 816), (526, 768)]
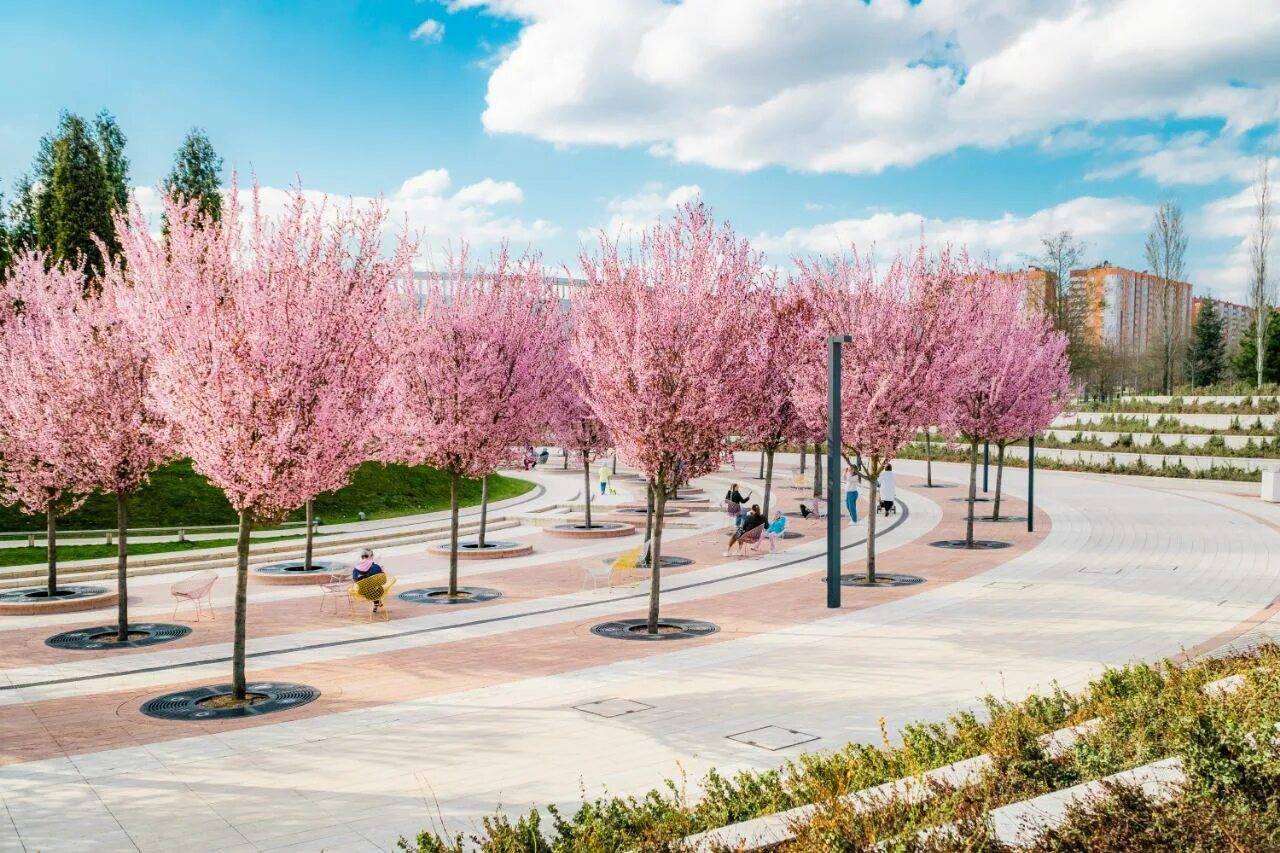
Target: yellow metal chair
[(372, 590), (628, 567)]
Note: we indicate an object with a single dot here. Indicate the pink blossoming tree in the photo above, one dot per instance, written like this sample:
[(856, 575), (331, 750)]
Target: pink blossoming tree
[(266, 344), (41, 465), (906, 351), (477, 369), (656, 336), (577, 429)]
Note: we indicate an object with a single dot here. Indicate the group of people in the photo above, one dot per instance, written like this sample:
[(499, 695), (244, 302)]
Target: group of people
[(886, 485), (747, 521), (532, 458)]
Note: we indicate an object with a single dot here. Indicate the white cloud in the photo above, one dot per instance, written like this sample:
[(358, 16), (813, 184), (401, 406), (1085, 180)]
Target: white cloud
[(832, 85), (1192, 158), (630, 215), (473, 213), (430, 31), (1004, 241)]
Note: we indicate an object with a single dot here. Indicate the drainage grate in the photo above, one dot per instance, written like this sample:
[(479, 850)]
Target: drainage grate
[(773, 738), (437, 595), (666, 561), (275, 696), (613, 707), (101, 636), (962, 545), (668, 629)]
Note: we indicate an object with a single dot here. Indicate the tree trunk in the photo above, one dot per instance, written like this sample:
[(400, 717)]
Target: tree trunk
[(242, 607), (122, 566), (761, 475), (817, 471), (586, 486), (928, 458), (655, 558), (768, 480), (566, 459), (973, 492), (615, 463), (874, 497), (311, 528), (648, 524), (484, 510), (51, 547), (804, 446), (995, 507), (453, 533)]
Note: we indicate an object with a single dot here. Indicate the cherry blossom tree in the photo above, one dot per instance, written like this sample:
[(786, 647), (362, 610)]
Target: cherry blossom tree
[(576, 428), (477, 369), (41, 466), (906, 351), (656, 334), (265, 344)]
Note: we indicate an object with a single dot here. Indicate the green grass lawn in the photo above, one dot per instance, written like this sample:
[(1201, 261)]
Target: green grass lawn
[(38, 555), (176, 496)]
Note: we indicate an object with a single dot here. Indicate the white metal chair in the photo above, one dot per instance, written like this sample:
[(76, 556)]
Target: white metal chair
[(194, 589), (335, 590)]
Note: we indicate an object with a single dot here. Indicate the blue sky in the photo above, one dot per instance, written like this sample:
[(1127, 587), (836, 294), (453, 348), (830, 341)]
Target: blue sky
[(809, 124)]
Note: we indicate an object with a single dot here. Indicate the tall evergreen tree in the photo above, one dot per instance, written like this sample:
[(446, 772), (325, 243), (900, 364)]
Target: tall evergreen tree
[(6, 249), (1207, 349), (196, 175), (80, 178), (22, 216), (111, 140), (1246, 364)]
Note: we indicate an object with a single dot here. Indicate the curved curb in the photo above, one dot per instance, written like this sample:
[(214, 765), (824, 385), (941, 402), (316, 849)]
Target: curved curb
[(90, 598), (597, 530), (495, 550), (277, 573)]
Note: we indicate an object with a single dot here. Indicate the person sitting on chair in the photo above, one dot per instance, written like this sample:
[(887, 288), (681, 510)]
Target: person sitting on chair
[(750, 522), (774, 531), (367, 568)]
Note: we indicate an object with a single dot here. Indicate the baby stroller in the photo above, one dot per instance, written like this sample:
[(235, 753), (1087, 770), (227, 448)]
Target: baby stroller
[(888, 508)]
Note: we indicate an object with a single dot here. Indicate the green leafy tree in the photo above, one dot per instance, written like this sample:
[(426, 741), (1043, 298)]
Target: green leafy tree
[(1246, 364), (196, 175), (1207, 349), (111, 142), (6, 249), (22, 217)]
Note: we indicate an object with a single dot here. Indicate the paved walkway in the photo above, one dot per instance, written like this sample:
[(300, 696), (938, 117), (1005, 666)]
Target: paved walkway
[(441, 715)]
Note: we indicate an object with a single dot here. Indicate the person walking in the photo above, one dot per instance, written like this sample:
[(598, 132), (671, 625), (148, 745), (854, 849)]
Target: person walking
[(849, 485), (888, 483), (604, 478)]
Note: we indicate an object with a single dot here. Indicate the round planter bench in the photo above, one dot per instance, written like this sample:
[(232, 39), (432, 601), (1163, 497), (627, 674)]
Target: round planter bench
[(32, 601), (289, 572), (494, 549), (597, 530)]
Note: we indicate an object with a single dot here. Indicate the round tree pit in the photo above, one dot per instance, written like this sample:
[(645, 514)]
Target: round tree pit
[(668, 629), (935, 486), (295, 571), (1019, 518), (641, 509), (440, 595), (26, 602), (494, 549), (217, 703), (666, 561), (597, 530), (975, 500), (978, 544), (882, 579), (101, 637)]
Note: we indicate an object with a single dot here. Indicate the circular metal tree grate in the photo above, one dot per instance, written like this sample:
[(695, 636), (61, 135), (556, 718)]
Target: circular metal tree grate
[(295, 567), (935, 486), (639, 510), (1021, 518), (978, 544), (490, 545), (63, 593), (975, 500), (668, 629), (666, 562), (440, 595), (882, 579), (202, 703), (104, 636)]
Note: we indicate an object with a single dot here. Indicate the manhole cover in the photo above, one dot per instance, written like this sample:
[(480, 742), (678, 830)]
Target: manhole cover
[(666, 561), (439, 595), (773, 738), (199, 703), (882, 579), (63, 593), (103, 636), (975, 500), (668, 629), (962, 545), (296, 567), (1002, 518), (613, 707)]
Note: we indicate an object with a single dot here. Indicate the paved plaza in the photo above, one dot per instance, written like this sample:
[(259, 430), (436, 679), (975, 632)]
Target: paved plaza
[(441, 715)]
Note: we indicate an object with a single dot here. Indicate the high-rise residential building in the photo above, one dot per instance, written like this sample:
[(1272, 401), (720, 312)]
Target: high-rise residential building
[(1235, 318), (1041, 293), (1123, 306)]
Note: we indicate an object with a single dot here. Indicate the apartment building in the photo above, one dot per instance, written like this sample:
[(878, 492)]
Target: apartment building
[(1124, 307)]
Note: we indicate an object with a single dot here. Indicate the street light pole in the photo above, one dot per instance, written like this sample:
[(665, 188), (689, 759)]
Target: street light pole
[(833, 467)]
